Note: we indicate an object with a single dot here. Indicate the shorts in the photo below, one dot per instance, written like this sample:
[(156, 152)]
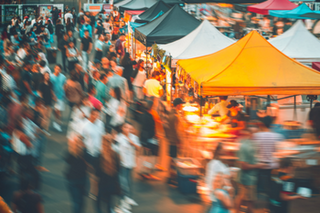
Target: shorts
[(59, 105), (173, 152), (247, 192)]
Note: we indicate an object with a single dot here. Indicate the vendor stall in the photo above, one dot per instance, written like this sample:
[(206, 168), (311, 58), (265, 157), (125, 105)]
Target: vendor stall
[(204, 40), (138, 5), (264, 7), (298, 43), (296, 13), (171, 26), (151, 13)]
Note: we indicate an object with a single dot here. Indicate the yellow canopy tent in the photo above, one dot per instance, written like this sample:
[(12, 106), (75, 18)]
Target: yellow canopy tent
[(251, 66)]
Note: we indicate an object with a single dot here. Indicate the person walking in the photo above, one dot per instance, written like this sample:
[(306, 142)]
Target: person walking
[(85, 48), (108, 173), (60, 30), (58, 80), (47, 94), (140, 76), (129, 144), (72, 54), (127, 63), (63, 46), (98, 47), (76, 173)]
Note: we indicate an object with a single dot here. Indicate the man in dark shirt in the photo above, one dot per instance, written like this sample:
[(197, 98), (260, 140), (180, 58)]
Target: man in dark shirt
[(26, 79), (86, 47), (63, 45), (55, 15), (314, 119), (119, 45)]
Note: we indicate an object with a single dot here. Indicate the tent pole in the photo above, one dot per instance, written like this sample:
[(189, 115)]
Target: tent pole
[(268, 100), (135, 46), (201, 99), (147, 60), (311, 102), (295, 108)]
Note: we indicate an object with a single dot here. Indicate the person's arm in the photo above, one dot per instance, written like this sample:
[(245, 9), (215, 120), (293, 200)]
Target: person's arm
[(286, 197), (67, 53), (247, 166), (90, 48), (224, 198), (214, 109), (26, 84)]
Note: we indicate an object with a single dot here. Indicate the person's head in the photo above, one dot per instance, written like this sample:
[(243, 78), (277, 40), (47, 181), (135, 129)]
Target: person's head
[(267, 122), (103, 78), (78, 68), (126, 128), (65, 37), (73, 75), (96, 75), (86, 33), (223, 98), (116, 93), (94, 115), (42, 63), (91, 90), (156, 75), (233, 106), (101, 37), (177, 103), (46, 76), (218, 152), (286, 165), (71, 44), (58, 21), (140, 63), (105, 62), (113, 63), (35, 68), (122, 37), (70, 34), (27, 66), (38, 102), (57, 69)]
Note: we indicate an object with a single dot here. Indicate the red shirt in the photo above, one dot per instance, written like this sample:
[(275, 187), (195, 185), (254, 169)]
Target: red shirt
[(95, 102)]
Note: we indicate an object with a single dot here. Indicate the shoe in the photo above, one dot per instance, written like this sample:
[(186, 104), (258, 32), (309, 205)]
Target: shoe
[(125, 205), (130, 201), (57, 127), (152, 177)]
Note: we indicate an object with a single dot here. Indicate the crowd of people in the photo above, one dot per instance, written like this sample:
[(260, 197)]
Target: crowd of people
[(98, 91), (104, 134)]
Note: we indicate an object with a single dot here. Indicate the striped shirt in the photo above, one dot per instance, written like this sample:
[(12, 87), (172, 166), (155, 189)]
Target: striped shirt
[(266, 143)]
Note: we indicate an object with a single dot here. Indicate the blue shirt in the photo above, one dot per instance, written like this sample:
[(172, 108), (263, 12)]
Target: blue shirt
[(99, 44), (58, 84), (85, 27)]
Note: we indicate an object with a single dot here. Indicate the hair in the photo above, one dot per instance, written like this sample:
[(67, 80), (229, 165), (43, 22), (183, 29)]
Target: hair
[(91, 87), (216, 153), (102, 76), (125, 60), (223, 98), (42, 63), (94, 110), (59, 65), (267, 121), (73, 75), (155, 74), (285, 163), (117, 93)]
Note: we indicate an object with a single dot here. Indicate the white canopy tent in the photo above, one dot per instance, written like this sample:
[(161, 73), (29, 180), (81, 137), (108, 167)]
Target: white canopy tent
[(298, 43), (204, 40), (122, 3)]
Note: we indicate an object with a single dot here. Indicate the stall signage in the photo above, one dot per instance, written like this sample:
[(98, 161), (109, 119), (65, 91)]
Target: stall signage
[(29, 10), (10, 12), (107, 8), (45, 10)]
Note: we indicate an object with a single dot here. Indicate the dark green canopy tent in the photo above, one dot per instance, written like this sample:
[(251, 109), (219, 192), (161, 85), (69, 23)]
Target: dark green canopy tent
[(153, 12), (171, 26)]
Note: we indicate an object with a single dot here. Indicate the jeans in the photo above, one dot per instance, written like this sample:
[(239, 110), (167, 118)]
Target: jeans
[(126, 181), (85, 59), (64, 59), (264, 181), (40, 149), (77, 190), (107, 189)]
